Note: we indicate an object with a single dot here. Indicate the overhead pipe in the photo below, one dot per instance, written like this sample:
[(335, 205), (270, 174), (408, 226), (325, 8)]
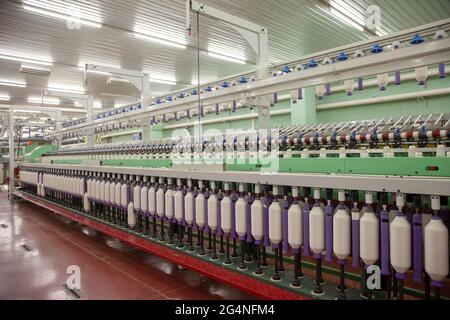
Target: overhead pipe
[(327, 106), (404, 77), (228, 119), (391, 98)]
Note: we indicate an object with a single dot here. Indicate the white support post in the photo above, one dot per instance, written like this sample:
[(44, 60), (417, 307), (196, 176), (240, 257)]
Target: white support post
[(90, 119), (58, 120), (11, 152), (88, 103), (145, 92), (263, 112), (140, 80), (256, 36), (146, 131), (262, 66)]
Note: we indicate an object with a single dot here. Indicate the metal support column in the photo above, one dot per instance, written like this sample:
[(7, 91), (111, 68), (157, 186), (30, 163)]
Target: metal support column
[(11, 152)]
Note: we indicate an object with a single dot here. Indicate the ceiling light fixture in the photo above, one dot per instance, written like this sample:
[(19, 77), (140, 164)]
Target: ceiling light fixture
[(159, 40), (226, 58), (36, 70), (344, 18), (5, 98), (346, 9), (118, 81), (162, 81), (106, 94), (381, 33), (27, 111), (68, 15), (66, 110), (195, 82), (12, 84), (27, 60), (54, 101), (57, 88)]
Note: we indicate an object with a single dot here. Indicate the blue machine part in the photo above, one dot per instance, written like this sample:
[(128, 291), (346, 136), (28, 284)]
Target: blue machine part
[(417, 39), (376, 48), (243, 80), (312, 63), (286, 69), (342, 56)]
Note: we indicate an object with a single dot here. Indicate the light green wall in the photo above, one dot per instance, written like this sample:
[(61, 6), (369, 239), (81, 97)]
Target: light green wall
[(305, 110)]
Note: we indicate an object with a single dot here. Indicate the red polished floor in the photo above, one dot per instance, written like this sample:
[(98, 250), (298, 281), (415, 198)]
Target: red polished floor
[(109, 268)]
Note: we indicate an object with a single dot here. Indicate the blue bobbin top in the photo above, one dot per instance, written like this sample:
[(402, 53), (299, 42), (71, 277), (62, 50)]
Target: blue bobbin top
[(417, 39)]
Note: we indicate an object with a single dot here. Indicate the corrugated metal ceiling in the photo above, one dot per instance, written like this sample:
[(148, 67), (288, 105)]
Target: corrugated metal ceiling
[(296, 28)]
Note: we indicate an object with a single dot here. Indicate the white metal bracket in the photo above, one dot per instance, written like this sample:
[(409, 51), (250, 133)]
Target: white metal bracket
[(87, 102), (140, 80), (256, 36)]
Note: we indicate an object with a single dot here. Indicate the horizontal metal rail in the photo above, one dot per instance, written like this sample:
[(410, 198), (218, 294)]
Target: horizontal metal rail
[(403, 184)]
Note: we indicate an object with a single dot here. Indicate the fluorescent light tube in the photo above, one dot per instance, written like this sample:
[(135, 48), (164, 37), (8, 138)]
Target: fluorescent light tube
[(27, 111), (29, 60), (67, 90), (63, 16), (348, 11), (118, 81), (346, 19), (54, 101), (159, 41), (226, 58), (33, 69), (169, 82), (12, 84), (5, 98), (380, 33)]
